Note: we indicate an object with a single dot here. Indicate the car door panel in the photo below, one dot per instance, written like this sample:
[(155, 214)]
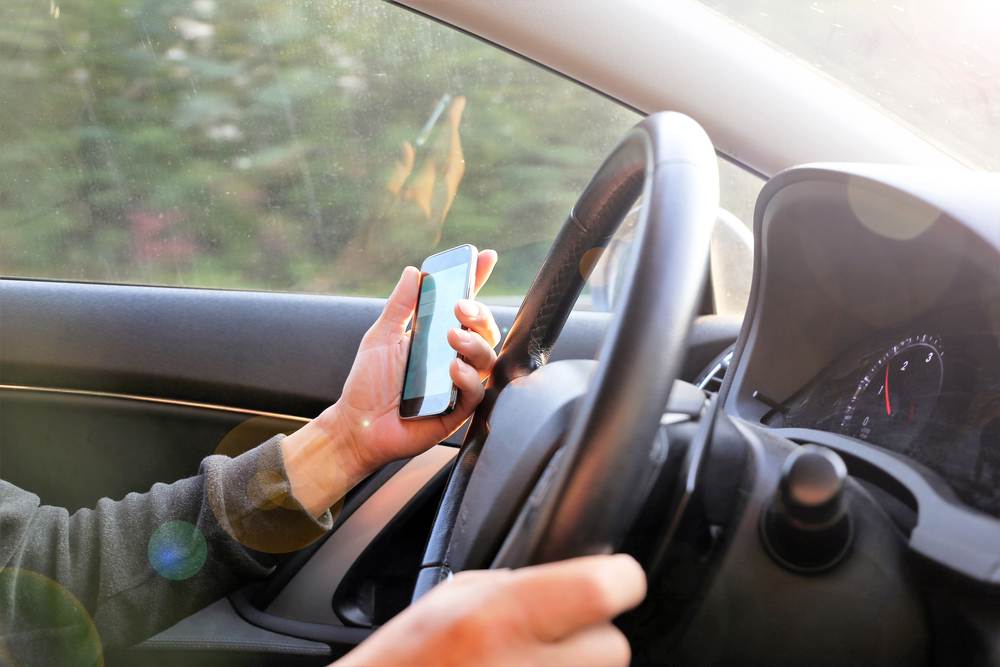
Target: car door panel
[(107, 389), (98, 446), (264, 351), (103, 376), (280, 353), (141, 383), (218, 636)]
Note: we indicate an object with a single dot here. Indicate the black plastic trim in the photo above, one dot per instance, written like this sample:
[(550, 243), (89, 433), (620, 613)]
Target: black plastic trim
[(334, 635), (263, 593), (345, 597), (947, 532)]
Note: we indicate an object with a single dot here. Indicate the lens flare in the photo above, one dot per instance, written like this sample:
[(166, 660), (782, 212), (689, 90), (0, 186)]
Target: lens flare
[(44, 624), (891, 215), (266, 489), (177, 550)]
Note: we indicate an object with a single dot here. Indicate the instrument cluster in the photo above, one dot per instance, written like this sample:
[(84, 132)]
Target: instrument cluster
[(929, 390)]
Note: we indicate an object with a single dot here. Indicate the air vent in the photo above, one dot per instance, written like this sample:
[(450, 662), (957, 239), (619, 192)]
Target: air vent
[(710, 380)]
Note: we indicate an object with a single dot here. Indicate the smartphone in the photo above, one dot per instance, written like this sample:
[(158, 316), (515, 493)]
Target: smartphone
[(444, 279)]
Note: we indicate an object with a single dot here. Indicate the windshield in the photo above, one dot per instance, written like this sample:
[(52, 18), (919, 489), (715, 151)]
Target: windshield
[(931, 65)]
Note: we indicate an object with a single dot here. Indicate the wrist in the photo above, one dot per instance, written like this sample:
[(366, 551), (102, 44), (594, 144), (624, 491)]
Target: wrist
[(338, 421), (322, 462)]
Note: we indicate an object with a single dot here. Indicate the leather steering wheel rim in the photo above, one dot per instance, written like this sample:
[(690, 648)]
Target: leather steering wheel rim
[(669, 160)]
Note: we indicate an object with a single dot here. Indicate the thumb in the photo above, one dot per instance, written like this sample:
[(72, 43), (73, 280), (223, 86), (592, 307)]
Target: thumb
[(401, 304)]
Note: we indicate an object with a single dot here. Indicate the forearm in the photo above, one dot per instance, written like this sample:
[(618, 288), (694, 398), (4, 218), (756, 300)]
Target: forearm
[(102, 558), (129, 568)]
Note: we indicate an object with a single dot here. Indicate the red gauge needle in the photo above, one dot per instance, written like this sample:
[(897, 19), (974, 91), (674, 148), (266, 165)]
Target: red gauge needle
[(888, 410)]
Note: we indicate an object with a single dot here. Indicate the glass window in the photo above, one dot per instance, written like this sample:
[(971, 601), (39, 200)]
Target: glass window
[(278, 145), (738, 190)]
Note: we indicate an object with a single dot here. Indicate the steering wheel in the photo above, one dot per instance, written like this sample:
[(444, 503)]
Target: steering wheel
[(557, 456)]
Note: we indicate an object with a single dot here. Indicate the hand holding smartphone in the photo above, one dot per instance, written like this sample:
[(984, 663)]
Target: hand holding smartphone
[(445, 278)]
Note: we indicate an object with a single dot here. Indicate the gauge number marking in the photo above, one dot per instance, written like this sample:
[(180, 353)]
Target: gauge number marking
[(908, 391)]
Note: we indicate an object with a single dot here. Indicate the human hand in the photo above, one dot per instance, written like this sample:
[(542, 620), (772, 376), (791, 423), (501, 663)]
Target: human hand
[(554, 614), (363, 431), (368, 408)]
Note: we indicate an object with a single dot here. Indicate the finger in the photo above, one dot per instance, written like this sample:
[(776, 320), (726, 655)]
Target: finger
[(559, 598), (477, 352), (401, 303), (478, 318), (598, 646), (470, 394), (484, 267), (466, 378)]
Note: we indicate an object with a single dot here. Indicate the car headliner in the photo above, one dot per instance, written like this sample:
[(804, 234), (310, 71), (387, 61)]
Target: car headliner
[(760, 108)]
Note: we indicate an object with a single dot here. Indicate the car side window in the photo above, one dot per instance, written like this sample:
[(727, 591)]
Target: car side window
[(265, 144)]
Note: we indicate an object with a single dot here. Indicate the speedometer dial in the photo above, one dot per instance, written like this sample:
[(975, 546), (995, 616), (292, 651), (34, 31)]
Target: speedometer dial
[(898, 393)]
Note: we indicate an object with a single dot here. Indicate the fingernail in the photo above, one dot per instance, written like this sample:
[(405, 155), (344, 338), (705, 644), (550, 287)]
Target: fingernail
[(463, 335), (469, 308)]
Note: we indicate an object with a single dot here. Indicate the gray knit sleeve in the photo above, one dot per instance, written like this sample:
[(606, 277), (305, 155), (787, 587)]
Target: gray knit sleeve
[(128, 569)]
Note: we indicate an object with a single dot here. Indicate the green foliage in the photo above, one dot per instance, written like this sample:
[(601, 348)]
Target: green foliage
[(249, 144)]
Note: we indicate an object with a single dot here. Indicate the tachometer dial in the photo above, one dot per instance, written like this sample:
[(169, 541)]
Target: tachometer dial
[(898, 393)]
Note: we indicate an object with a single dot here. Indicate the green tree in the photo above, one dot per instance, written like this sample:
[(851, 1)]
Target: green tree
[(255, 143)]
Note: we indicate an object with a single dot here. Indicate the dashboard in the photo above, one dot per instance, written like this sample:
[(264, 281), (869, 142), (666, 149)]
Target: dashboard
[(929, 390), (874, 328)]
